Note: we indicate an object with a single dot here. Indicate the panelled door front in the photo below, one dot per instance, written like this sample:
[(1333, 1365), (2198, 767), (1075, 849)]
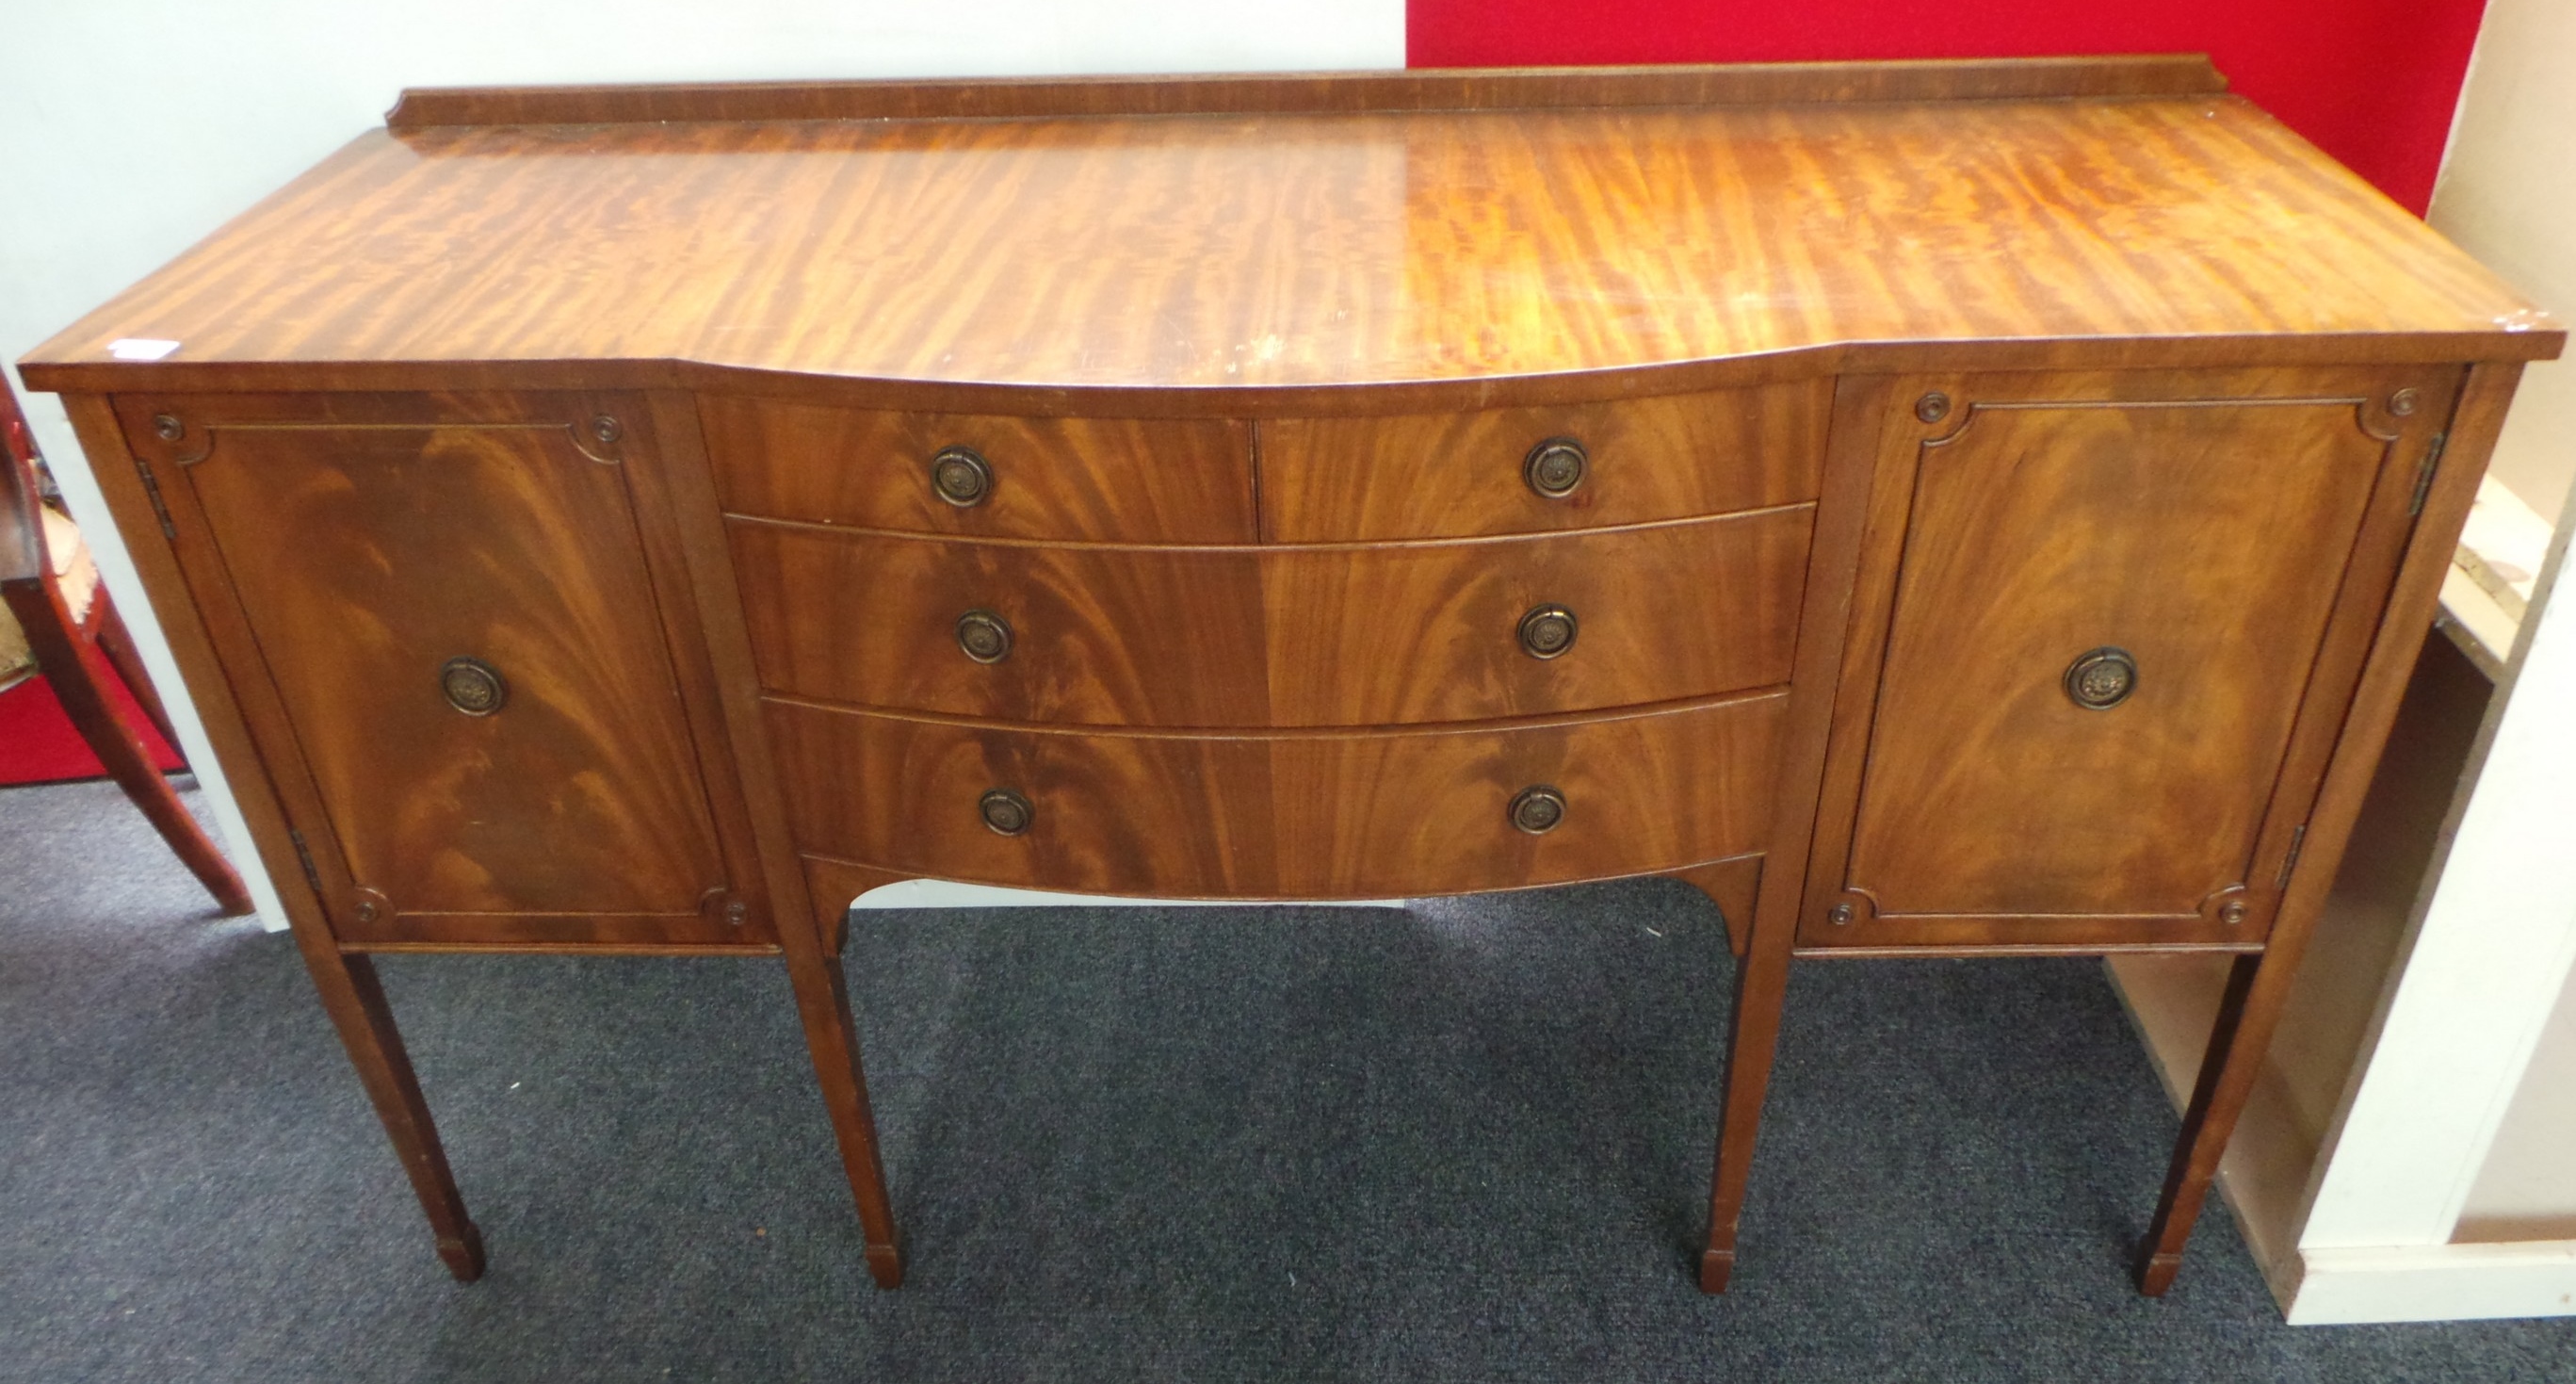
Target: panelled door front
[(471, 703), (2107, 631)]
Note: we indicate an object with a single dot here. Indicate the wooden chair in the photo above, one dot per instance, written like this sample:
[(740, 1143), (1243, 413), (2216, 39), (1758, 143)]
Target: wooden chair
[(55, 604)]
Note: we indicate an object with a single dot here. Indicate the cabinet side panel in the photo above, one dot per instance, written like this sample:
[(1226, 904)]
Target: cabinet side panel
[(174, 605)]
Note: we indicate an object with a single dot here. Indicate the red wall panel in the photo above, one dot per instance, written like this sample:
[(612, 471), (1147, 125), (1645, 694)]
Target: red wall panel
[(2372, 82)]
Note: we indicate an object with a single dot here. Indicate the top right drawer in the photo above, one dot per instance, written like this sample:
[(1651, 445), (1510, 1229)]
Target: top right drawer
[(1536, 469)]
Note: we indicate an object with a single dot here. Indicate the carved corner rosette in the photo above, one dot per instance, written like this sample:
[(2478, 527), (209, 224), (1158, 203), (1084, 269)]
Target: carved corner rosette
[(369, 907), (169, 434), (2385, 416), (723, 906), (1944, 412), (1855, 906), (2230, 906), (600, 436)]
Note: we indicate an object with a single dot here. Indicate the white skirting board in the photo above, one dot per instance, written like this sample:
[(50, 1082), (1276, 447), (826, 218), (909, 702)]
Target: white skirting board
[(2422, 1283)]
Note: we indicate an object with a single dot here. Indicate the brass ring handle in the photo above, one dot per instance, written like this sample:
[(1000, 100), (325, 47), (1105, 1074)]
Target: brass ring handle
[(473, 686), (2100, 679), (984, 636), (961, 476), (1547, 631), (1006, 812), (1554, 468), (1538, 809)]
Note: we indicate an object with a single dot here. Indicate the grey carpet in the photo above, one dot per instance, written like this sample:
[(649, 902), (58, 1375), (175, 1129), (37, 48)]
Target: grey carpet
[(1468, 1141)]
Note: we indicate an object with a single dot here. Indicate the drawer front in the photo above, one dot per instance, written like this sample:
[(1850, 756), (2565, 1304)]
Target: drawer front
[(1097, 635), (1105, 480), (453, 650), (1433, 632), (1460, 474), (1311, 636), (1309, 816), (2122, 622)]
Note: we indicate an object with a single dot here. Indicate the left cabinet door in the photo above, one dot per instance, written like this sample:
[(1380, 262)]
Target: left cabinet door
[(461, 632)]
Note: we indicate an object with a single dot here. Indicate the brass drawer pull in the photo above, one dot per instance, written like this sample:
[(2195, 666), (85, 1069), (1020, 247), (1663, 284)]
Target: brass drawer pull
[(1556, 467), (961, 476), (2100, 679), (1538, 809), (1547, 631), (1006, 812), (473, 686), (984, 636)]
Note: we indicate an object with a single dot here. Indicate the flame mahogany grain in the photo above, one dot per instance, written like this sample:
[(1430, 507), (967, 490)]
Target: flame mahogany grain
[(1233, 265), (1323, 815), (2137, 509), (1445, 475), (1101, 480), (1250, 637), (1900, 385)]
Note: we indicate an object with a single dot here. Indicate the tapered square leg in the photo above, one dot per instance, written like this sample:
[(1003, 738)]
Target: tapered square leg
[(1732, 885), (463, 1255), (1761, 988), (2237, 1043), (356, 1003), (831, 1034)]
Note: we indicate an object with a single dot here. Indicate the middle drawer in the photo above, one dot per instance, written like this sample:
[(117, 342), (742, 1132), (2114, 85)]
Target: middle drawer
[(1327, 635)]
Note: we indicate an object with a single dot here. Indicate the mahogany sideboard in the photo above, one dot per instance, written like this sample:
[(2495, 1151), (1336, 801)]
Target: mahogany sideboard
[(1951, 508)]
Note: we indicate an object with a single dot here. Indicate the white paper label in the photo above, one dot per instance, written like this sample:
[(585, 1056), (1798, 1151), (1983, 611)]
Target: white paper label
[(140, 348)]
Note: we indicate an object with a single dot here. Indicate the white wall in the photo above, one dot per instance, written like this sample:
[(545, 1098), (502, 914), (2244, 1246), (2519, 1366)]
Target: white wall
[(129, 129), (2508, 196), (2526, 1190)]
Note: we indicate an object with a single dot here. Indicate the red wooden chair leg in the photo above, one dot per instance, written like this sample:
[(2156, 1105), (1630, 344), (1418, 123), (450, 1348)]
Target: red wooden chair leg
[(78, 675), (115, 641)]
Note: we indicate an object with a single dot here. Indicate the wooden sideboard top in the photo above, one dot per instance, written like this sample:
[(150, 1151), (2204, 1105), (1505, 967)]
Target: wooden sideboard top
[(1262, 244)]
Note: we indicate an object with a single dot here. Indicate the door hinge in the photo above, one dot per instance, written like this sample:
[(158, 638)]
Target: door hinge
[(152, 489), (304, 855), (2298, 839), (2424, 472)]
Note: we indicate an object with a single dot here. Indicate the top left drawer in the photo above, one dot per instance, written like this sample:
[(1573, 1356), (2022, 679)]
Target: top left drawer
[(990, 476)]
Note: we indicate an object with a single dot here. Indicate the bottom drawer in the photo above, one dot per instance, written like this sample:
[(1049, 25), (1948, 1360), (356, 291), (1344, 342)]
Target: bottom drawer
[(1313, 815)]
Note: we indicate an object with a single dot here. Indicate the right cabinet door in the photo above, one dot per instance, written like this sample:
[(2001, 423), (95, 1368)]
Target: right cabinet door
[(2106, 631)]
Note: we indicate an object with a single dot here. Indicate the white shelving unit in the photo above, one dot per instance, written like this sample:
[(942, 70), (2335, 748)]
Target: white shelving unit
[(2405, 1155)]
